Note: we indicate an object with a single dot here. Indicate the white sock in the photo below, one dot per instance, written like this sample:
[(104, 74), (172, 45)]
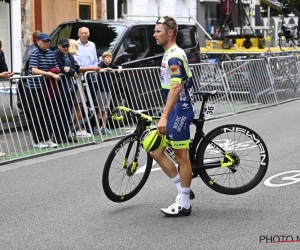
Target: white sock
[(185, 197), (176, 181)]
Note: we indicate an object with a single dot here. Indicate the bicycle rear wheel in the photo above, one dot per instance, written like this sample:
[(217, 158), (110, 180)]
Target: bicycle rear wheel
[(123, 177), (245, 147)]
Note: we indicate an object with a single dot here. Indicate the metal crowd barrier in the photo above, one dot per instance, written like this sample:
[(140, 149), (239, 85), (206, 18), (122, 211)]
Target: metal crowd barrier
[(28, 113), (242, 85), (285, 77), (249, 84), (135, 88), (207, 77)]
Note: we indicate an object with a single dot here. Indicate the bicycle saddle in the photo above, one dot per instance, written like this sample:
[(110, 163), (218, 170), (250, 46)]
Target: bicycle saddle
[(206, 93)]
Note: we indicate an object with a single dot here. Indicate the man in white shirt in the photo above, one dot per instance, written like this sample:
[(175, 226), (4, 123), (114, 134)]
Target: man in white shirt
[(86, 56)]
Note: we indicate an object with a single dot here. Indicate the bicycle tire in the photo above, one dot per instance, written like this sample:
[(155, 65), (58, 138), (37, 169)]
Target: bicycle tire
[(113, 169), (241, 143)]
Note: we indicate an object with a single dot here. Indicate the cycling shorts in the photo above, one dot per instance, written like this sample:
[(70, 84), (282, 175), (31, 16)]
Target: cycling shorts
[(178, 126)]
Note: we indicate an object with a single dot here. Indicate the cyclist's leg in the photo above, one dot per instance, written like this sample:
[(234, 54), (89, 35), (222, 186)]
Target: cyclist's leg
[(166, 164), (183, 159), (180, 142), (178, 129)]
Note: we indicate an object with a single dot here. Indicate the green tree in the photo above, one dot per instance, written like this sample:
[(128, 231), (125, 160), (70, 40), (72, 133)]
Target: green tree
[(7, 1), (296, 4)]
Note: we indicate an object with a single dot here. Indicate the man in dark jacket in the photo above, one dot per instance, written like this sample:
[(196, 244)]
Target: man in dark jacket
[(70, 68), (3, 65)]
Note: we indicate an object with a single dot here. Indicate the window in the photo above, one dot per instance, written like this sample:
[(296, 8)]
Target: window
[(137, 37), (86, 9), (186, 37), (105, 36)]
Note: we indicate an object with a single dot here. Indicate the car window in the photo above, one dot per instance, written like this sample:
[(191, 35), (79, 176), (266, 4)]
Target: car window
[(105, 36), (186, 37), (137, 37)]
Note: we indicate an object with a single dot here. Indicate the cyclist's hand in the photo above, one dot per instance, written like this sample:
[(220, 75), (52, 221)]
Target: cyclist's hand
[(162, 126)]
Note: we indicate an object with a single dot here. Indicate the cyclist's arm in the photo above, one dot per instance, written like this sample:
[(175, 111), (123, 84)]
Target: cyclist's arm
[(172, 99), (176, 73)]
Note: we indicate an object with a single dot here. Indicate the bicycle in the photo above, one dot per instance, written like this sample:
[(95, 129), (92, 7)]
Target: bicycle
[(220, 157)]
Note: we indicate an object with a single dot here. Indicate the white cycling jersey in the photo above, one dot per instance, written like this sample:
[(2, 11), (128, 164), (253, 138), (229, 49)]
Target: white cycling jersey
[(174, 67)]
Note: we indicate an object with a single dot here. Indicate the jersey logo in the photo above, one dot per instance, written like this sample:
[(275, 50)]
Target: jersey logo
[(185, 105), (175, 70)]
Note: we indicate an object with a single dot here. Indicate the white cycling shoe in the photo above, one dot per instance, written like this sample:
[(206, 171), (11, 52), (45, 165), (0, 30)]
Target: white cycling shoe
[(176, 209)]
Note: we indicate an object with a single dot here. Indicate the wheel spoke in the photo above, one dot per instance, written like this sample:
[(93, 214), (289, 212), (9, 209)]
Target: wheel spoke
[(121, 183), (245, 147)]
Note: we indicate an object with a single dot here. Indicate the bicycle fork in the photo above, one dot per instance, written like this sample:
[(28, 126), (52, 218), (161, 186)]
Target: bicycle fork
[(133, 166)]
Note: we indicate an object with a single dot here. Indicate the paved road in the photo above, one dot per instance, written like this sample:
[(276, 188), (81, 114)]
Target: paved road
[(57, 201)]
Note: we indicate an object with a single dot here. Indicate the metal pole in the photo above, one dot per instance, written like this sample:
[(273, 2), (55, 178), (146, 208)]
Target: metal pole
[(200, 26), (257, 14), (269, 27)]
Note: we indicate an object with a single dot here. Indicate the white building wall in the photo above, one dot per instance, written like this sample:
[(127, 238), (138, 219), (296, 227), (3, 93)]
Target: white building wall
[(16, 32)]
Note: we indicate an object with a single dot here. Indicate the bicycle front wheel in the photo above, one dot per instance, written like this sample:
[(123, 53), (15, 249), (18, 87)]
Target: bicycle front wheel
[(246, 148), (126, 169)]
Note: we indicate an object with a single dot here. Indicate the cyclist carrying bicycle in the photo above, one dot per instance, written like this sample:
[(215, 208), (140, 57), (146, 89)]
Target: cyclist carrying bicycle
[(177, 114)]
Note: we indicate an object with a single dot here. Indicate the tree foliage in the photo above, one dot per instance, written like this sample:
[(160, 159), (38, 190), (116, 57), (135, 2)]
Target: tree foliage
[(296, 4), (6, 1)]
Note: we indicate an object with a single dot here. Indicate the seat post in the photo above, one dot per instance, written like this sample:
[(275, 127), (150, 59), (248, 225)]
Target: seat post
[(204, 100)]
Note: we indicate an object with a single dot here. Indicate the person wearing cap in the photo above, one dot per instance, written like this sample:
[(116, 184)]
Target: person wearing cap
[(41, 62), (31, 47), (70, 68)]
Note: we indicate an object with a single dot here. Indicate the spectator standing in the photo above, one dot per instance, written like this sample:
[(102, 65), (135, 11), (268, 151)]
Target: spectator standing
[(4, 74), (104, 94), (31, 47), (70, 68), (3, 65), (77, 102), (87, 58), (41, 62)]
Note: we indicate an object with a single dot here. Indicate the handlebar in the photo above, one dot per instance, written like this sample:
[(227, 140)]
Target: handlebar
[(128, 110)]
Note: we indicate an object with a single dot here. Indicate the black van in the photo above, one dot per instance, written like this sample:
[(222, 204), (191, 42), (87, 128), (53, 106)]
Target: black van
[(116, 36), (133, 46)]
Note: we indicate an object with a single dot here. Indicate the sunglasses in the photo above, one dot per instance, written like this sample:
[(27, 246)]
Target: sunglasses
[(162, 20), (65, 46)]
